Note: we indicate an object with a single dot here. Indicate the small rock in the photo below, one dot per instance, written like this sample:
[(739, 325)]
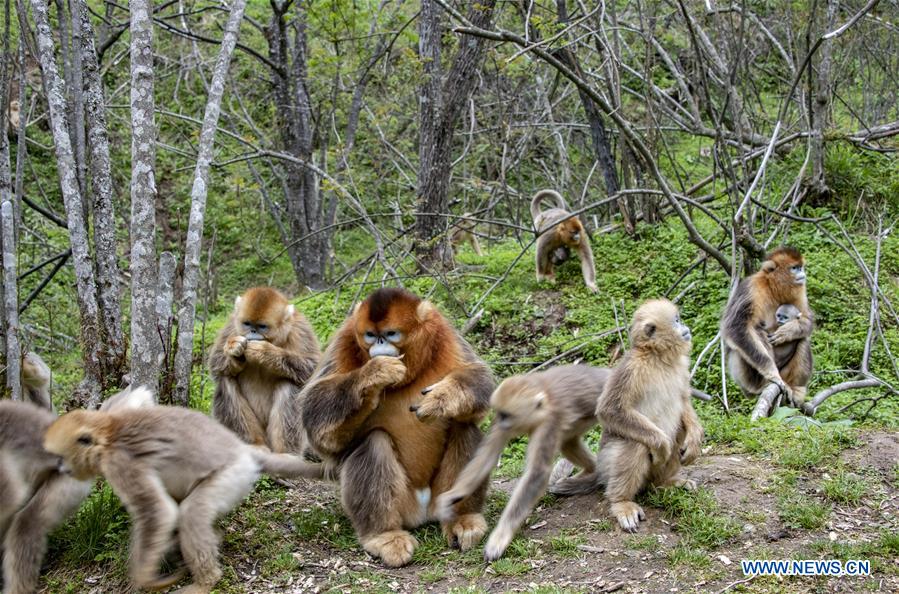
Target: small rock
[(724, 559), (537, 525), (832, 536)]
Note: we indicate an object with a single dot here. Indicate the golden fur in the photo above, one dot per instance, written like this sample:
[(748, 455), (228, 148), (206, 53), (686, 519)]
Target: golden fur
[(559, 232)]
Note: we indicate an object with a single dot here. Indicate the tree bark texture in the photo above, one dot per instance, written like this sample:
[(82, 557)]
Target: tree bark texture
[(144, 334), (306, 211), (104, 225), (10, 295), (194, 242), (438, 123), (88, 391)]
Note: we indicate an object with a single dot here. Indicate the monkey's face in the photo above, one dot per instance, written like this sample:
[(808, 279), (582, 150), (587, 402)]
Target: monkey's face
[(263, 313), (571, 232), (785, 267), (388, 321), (657, 326), (519, 404), (75, 439), (787, 313)]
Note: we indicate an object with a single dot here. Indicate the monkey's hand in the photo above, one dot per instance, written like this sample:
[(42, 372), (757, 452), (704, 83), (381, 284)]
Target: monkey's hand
[(235, 346), (443, 508), (592, 287), (661, 453), (438, 400), (381, 372), (691, 447), (258, 350)]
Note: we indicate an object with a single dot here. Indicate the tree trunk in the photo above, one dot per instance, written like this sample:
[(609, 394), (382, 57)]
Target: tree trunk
[(10, 295), (144, 334), (440, 109), (164, 317), (194, 242), (88, 391), (306, 211), (104, 223), (820, 94)]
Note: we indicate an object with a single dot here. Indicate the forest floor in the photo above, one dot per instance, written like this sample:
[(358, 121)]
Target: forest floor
[(296, 539)]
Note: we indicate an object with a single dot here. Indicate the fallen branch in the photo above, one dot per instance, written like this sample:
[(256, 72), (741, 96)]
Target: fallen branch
[(810, 407), (766, 401)]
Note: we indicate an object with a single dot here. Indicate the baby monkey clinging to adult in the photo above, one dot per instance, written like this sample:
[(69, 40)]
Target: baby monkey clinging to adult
[(555, 407)]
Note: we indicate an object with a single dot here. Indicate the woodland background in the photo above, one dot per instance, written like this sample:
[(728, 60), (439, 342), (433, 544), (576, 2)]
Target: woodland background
[(163, 156)]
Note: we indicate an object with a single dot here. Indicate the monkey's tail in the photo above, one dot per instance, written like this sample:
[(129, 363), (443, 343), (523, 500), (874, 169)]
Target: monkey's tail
[(580, 484), (540, 196), (288, 465)]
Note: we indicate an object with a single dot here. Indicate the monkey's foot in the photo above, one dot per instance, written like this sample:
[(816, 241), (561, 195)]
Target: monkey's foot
[(592, 287), (498, 542), (465, 531), (628, 515), (394, 548)]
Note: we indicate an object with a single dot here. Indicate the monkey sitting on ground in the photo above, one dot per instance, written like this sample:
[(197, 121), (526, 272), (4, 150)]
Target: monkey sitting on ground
[(555, 407), (463, 231), (752, 308), (559, 233), (36, 380), (260, 361), (172, 468), (34, 496), (649, 427), (395, 407)]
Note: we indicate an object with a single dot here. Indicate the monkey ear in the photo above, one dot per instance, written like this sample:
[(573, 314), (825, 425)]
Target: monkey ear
[(85, 439), (289, 311), (539, 398), (237, 301), (650, 330), (423, 310), (769, 265)]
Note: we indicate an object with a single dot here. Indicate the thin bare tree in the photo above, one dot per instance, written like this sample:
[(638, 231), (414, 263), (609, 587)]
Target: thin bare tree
[(194, 242)]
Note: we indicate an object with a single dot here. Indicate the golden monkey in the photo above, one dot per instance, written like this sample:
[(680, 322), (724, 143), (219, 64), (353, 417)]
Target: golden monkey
[(260, 361), (35, 496), (463, 231), (36, 380), (555, 408), (752, 308), (395, 406), (649, 427), (559, 233), (172, 468)]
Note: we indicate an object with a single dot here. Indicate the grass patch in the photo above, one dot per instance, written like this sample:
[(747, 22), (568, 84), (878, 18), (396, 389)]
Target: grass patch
[(510, 567), (98, 532), (643, 543), (566, 542), (689, 556), (845, 487), (325, 524), (696, 515), (799, 511)]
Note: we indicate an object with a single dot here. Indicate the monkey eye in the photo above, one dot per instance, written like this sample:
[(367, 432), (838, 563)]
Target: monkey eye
[(650, 330), (502, 416), (369, 334), (392, 334), (85, 440), (262, 327), (247, 325)]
